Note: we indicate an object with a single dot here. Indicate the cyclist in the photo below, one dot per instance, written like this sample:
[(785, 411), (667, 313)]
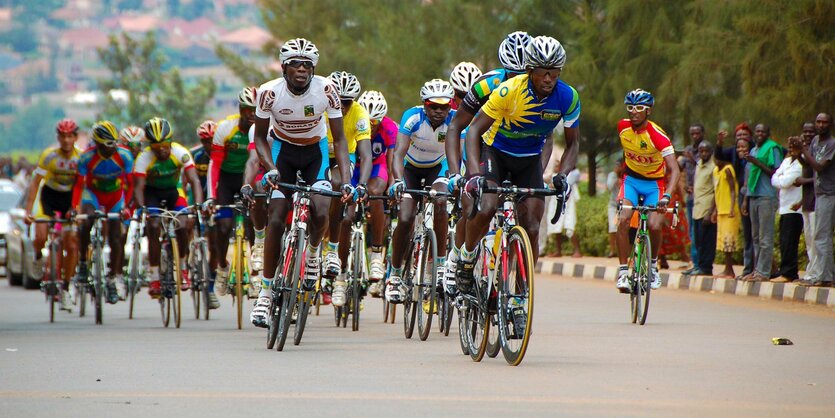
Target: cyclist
[(462, 78), (292, 108), (357, 128), (383, 138), (420, 142), (57, 167), (202, 157), (104, 180), (156, 179), (648, 153), (512, 59), (230, 152), (516, 127), (131, 138)]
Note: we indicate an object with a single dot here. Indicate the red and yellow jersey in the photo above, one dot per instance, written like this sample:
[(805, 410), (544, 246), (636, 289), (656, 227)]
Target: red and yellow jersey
[(644, 150)]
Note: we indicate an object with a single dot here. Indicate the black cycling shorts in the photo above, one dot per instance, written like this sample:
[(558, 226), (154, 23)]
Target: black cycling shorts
[(174, 198), (412, 175), (520, 171), (311, 161), (54, 201)]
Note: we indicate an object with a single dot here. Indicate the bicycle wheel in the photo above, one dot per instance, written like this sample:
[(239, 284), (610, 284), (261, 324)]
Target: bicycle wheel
[(133, 275), (98, 281), (290, 295), (202, 274), (196, 283), (493, 343), (634, 294), (166, 277), (409, 308), (444, 313), (53, 288), (239, 278), (645, 280), (176, 304), (274, 312), (357, 267), (426, 289), (516, 295), (305, 300), (462, 334)]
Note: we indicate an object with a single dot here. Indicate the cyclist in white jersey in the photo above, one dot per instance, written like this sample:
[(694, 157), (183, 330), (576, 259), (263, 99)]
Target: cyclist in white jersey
[(291, 110), (420, 142)]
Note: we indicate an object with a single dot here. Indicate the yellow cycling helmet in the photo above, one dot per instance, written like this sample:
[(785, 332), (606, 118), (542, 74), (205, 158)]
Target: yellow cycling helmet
[(158, 130), (105, 133)]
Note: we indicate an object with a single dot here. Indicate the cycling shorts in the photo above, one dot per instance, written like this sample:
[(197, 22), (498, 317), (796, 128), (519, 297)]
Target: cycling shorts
[(112, 202), (497, 166), (228, 185), (332, 165), (310, 160), (413, 176), (380, 171), (54, 201), (634, 188), (175, 198)]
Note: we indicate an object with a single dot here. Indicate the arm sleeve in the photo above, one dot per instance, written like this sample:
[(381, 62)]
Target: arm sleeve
[(216, 157), (409, 122), (41, 169), (660, 140), (334, 108), (265, 99), (143, 160)]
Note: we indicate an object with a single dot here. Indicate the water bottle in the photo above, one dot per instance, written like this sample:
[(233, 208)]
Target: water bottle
[(489, 240)]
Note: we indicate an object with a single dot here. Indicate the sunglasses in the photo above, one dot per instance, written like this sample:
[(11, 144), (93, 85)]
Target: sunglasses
[(636, 108), (307, 64), (160, 145), (436, 106), (375, 122)]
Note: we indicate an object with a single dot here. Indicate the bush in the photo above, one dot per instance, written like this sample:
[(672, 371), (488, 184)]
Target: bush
[(591, 227)]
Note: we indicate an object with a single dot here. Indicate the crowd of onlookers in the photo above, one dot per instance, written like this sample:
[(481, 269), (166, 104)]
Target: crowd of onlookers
[(19, 172)]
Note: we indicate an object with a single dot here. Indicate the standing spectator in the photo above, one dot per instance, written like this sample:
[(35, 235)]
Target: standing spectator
[(568, 221), (807, 184), (764, 159), (691, 160), (819, 156), (703, 203), (550, 203), (726, 214), (613, 182), (736, 156), (24, 173), (791, 221), (674, 241)]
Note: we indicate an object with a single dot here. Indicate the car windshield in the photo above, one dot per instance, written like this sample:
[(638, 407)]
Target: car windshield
[(8, 200)]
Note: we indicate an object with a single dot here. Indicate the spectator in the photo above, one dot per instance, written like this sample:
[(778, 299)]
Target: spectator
[(613, 182), (807, 184), (550, 203), (791, 221), (703, 203), (674, 241), (691, 160), (764, 159), (819, 156), (736, 156), (726, 214), (568, 221), (24, 173)]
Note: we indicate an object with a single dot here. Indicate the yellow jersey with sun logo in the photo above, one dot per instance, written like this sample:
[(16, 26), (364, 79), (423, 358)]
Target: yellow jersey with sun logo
[(522, 121)]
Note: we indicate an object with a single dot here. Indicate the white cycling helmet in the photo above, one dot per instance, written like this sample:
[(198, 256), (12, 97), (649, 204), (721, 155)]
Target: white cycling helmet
[(375, 103), (544, 52), (298, 48), (347, 85), (464, 75), (247, 96), (132, 135), (437, 91), (512, 51)]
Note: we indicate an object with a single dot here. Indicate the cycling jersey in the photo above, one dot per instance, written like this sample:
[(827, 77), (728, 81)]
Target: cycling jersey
[(105, 175), (522, 121), (58, 171), (426, 144), (301, 119), (644, 150), (163, 174), (383, 140), (480, 91), (201, 163), (230, 144), (357, 127)]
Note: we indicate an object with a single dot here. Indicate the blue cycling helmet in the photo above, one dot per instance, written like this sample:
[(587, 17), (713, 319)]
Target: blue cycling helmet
[(639, 97)]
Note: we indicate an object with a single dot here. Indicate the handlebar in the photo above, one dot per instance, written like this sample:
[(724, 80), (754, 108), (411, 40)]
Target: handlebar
[(651, 208), (309, 189), (512, 192)]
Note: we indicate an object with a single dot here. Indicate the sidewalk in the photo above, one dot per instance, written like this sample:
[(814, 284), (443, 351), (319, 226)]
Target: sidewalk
[(606, 269)]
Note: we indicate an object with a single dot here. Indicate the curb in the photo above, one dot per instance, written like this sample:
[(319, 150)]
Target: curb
[(790, 292)]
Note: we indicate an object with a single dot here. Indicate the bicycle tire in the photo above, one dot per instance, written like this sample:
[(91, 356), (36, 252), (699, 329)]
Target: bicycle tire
[(447, 310), (462, 335), (98, 281), (133, 276), (409, 309), (207, 276), (178, 280), (165, 279), (519, 256), (272, 315), (356, 284), (196, 285), (426, 288), (239, 278), (646, 281), (494, 346), (634, 278), (476, 325), (53, 277), (290, 299), (305, 299)]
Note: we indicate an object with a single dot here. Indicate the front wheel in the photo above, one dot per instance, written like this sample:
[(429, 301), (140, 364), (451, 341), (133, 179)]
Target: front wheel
[(516, 295), (645, 282), (426, 292), (98, 281)]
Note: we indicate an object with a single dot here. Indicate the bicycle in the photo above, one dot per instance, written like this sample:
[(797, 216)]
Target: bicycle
[(52, 283), (640, 275), (421, 271), (447, 301), (198, 265), (287, 284), (503, 282), (239, 274), (170, 300), (389, 309), (96, 270), (136, 266)]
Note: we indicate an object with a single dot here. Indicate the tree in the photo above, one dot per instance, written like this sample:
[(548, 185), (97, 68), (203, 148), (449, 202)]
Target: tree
[(135, 66), (32, 128), (22, 39)]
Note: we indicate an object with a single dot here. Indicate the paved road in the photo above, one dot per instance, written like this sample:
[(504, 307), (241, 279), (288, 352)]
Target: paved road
[(699, 355)]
